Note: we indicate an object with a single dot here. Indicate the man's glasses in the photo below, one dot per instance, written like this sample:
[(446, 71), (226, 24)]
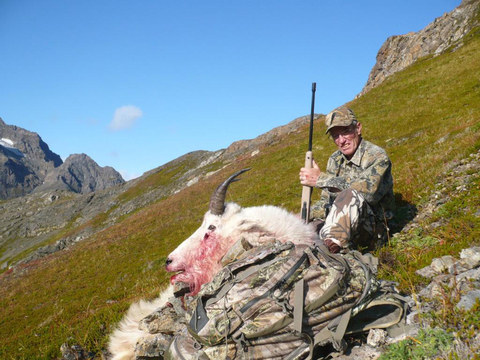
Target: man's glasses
[(345, 133)]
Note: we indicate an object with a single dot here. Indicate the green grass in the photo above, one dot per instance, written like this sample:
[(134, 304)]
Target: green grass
[(425, 117), (429, 344)]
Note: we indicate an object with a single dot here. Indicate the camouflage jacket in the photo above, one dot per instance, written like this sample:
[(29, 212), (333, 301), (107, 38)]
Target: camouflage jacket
[(368, 171)]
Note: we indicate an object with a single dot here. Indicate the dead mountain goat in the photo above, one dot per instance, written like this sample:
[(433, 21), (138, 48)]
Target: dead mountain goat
[(198, 258)]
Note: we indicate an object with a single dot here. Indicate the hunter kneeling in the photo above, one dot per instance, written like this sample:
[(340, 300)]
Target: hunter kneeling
[(357, 188)]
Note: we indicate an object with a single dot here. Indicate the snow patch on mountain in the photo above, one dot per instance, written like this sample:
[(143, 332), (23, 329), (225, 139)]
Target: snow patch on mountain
[(9, 145)]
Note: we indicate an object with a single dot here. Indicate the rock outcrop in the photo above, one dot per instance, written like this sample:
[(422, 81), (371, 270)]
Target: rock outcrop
[(443, 33)]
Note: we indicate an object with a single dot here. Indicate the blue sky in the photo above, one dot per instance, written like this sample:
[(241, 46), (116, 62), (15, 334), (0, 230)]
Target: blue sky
[(135, 84)]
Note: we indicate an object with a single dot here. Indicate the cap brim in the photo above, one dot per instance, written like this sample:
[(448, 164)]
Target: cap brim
[(340, 124)]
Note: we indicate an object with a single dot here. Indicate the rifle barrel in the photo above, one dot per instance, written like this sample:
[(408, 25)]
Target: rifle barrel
[(307, 190), (310, 138)]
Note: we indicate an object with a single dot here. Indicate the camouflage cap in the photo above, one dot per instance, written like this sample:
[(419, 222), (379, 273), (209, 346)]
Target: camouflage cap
[(341, 116)]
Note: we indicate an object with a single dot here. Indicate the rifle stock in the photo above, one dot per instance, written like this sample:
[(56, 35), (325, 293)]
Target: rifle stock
[(307, 190)]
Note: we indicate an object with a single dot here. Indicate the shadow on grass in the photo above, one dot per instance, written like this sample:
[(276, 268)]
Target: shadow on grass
[(404, 213)]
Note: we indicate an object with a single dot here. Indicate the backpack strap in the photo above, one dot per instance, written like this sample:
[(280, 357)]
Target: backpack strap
[(398, 329), (326, 334), (337, 335), (241, 342), (368, 259), (369, 265), (299, 302)]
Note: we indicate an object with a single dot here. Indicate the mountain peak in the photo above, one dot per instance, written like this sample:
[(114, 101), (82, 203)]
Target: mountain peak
[(81, 174)]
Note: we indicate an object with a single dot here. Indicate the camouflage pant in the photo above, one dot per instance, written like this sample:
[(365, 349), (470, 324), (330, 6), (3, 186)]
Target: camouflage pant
[(351, 223)]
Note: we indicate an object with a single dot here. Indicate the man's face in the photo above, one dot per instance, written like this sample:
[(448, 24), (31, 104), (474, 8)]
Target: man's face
[(347, 138)]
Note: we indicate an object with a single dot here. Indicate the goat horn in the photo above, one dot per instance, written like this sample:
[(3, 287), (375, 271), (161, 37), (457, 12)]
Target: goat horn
[(217, 201)]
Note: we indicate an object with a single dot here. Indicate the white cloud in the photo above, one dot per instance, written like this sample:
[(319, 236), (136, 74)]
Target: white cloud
[(125, 117)]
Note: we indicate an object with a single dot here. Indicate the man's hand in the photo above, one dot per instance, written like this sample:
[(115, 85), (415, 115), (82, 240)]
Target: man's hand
[(308, 177), (332, 246)]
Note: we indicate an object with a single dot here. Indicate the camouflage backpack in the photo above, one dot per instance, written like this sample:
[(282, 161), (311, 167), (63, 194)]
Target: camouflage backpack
[(281, 301)]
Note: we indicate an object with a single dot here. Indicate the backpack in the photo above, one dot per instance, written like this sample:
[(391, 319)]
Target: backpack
[(281, 301)]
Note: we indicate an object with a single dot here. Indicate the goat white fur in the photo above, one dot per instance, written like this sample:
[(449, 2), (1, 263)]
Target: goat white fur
[(198, 258)]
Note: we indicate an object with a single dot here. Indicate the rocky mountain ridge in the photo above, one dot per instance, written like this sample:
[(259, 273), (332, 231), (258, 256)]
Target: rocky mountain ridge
[(445, 32), (25, 160), (27, 164)]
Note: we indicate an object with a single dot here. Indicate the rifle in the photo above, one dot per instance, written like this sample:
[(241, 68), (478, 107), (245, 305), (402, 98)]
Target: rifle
[(307, 190)]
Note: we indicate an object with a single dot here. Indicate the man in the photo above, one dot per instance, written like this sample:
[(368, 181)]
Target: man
[(357, 187)]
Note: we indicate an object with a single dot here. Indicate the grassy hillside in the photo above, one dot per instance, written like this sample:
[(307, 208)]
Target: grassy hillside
[(425, 117)]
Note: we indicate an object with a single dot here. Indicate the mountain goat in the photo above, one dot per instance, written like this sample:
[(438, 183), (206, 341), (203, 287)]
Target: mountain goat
[(198, 258)]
